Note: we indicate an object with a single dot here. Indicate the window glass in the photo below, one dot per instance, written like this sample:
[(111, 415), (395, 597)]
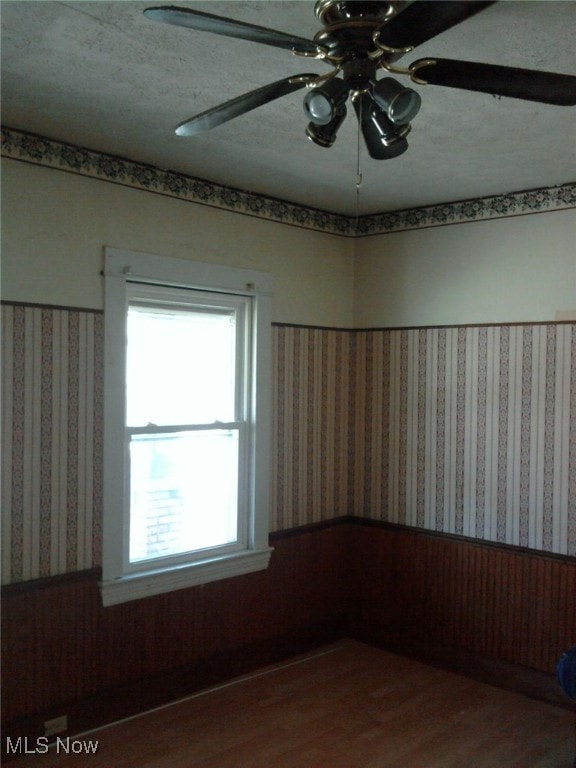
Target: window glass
[(183, 492), (181, 366)]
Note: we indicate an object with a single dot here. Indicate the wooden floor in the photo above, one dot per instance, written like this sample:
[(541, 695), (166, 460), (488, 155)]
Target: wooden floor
[(346, 706)]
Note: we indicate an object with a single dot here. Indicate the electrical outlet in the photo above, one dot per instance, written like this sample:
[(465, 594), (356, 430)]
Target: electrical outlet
[(56, 725)]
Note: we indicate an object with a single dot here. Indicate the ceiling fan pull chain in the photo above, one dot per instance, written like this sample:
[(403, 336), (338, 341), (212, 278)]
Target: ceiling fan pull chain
[(358, 169)]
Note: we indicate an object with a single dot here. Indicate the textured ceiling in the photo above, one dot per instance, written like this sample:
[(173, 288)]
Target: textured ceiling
[(100, 75)]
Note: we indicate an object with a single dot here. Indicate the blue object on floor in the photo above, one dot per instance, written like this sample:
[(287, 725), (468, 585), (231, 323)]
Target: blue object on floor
[(566, 674)]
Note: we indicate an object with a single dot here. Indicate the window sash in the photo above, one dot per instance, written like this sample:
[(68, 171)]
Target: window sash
[(123, 272), (161, 429), (193, 554), (182, 300), (203, 301)]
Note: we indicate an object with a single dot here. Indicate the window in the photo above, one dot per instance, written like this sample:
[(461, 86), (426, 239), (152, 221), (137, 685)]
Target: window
[(187, 403)]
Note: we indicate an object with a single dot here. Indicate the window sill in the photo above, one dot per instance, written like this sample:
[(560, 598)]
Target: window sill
[(138, 586)]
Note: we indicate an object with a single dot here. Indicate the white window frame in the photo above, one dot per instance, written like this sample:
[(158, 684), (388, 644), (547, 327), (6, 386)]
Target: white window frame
[(122, 270)]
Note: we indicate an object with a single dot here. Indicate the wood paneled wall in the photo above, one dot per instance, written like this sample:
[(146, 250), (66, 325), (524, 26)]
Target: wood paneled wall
[(408, 591), (60, 646), (415, 590)]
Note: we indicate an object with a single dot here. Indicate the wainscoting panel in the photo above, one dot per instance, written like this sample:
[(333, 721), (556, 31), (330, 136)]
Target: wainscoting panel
[(442, 597), (61, 647)]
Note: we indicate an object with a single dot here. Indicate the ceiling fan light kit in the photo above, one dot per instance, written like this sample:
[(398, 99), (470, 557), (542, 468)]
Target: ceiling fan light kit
[(389, 133), (322, 103), (324, 135), (383, 139), (358, 39), (400, 104)]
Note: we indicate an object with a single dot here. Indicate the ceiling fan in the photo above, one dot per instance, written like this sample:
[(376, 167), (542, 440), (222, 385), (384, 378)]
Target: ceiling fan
[(358, 40)]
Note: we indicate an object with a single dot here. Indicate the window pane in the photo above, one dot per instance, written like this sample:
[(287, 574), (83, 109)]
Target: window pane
[(180, 366), (183, 492)]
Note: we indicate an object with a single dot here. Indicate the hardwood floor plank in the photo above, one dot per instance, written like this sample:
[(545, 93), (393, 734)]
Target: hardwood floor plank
[(352, 706)]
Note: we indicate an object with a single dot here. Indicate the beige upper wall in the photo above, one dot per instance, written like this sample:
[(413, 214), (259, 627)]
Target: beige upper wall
[(502, 270), (520, 269), (55, 225)]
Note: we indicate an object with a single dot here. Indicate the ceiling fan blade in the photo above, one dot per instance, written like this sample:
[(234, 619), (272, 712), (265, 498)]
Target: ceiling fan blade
[(531, 85), (219, 25), (424, 19), (242, 104)]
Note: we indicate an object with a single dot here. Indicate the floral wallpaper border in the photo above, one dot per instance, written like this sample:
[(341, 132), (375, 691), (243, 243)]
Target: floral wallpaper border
[(43, 151), (495, 207)]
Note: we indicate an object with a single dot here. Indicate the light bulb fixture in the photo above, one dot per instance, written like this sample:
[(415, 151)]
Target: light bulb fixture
[(325, 135), (400, 104), (383, 139), (322, 103)]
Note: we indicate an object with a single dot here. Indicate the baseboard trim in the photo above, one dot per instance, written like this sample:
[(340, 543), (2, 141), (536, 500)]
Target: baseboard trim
[(495, 672), (137, 697)]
